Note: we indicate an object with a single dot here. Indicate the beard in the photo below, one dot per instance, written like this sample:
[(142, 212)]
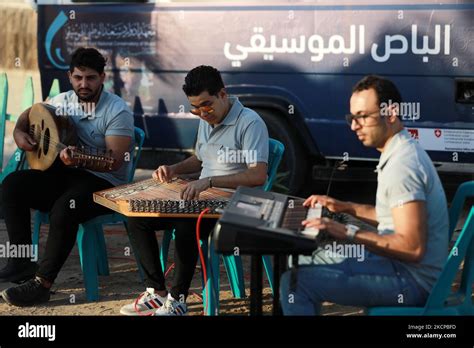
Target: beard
[(89, 97)]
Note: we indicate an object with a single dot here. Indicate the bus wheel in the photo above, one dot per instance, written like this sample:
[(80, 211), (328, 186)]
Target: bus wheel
[(292, 172)]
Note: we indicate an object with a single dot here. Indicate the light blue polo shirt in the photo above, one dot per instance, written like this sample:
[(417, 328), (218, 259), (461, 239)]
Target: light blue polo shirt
[(111, 116), (239, 141), (405, 174)]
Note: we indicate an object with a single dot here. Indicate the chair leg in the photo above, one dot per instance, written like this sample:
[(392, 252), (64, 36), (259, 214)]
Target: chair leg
[(235, 273), (102, 259), (212, 287), (267, 263), (87, 253)]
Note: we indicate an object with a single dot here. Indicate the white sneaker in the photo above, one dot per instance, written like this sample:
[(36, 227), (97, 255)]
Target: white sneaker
[(172, 307), (147, 304)]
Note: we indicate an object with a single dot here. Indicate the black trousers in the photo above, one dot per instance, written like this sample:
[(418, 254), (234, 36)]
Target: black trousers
[(64, 192), (145, 245)]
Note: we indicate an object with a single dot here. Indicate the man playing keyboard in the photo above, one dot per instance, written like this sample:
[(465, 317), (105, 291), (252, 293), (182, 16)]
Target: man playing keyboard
[(403, 259)]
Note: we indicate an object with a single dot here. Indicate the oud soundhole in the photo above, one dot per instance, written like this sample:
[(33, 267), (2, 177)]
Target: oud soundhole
[(46, 141)]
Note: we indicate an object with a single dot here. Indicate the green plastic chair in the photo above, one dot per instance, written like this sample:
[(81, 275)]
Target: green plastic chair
[(17, 161), (232, 264), (90, 235), (3, 113), (441, 300)]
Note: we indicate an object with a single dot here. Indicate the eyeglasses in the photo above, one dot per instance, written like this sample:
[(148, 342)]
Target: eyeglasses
[(198, 111), (361, 120)]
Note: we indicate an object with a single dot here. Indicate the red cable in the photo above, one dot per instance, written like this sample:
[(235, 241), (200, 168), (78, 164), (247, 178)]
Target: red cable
[(141, 295), (201, 256), (169, 269)]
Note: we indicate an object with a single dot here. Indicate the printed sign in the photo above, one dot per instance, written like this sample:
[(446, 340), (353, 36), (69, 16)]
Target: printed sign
[(437, 139)]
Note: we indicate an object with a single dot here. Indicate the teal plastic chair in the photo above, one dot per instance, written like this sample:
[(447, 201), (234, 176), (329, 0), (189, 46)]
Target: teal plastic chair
[(232, 264), (441, 300), (17, 161), (90, 235), (3, 113)]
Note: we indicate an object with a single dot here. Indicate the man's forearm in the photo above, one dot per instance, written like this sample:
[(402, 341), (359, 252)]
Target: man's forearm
[(188, 166), (249, 178), (391, 245), (363, 212)]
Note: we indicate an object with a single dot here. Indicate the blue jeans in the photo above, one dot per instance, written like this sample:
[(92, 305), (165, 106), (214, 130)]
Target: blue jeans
[(373, 281)]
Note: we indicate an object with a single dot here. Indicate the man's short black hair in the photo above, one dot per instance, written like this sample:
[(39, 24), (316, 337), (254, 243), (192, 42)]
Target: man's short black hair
[(203, 78), (87, 58), (386, 90)]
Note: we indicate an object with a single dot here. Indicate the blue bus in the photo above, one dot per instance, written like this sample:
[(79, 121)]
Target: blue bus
[(294, 62)]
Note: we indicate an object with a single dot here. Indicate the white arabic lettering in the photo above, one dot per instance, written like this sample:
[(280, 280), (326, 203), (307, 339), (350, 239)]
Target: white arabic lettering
[(397, 44)]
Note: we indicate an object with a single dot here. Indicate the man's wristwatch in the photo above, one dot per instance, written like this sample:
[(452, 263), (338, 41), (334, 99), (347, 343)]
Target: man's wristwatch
[(210, 182), (351, 231)]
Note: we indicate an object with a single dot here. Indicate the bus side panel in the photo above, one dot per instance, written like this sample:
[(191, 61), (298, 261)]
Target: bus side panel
[(315, 52)]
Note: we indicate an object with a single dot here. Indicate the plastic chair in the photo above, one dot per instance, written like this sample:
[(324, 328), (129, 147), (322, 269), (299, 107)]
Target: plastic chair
[(17, 161), (441, 301), (90, 236), (232, 263), (3, 113)]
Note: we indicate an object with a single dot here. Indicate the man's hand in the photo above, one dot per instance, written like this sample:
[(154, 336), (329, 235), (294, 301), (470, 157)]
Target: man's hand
[(334, 228), (194, 188), (164, 174), (66, 156), (24, 141), (332, 204)]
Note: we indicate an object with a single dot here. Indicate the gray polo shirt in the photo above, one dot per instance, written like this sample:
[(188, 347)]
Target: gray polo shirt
[(239, 141), (111, 116), (405, 174)]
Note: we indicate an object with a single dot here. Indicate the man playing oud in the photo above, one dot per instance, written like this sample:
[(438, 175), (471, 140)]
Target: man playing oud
[(102, 121)]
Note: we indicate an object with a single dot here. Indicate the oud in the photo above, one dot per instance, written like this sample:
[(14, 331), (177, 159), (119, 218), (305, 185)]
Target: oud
[(54, 133)]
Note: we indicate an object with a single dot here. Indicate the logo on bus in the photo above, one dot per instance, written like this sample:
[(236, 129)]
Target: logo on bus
[(55, 57)]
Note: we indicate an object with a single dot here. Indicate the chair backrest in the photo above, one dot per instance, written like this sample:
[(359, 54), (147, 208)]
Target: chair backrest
[(3, 113), (139, 139), (55, 89), (464, 190), (463, 250), (275, 154), (28, 98)]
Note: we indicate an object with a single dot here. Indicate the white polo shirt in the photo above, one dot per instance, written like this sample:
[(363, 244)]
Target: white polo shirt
[(406, 174), (240, 140), (111, 116)]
